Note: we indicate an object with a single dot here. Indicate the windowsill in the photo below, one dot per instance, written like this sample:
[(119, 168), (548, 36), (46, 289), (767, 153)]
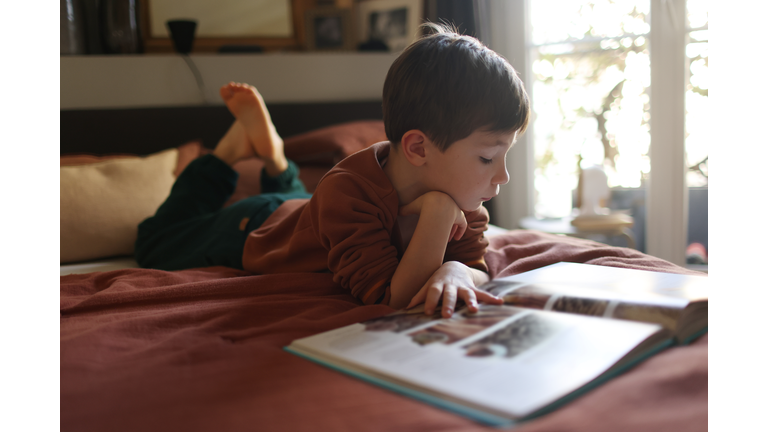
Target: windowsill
[(704, 268)]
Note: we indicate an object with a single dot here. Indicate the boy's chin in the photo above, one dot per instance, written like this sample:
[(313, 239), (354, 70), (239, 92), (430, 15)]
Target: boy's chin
[(470, 210)]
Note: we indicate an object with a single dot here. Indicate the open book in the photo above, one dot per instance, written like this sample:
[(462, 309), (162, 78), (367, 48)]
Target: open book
[(563, 330)]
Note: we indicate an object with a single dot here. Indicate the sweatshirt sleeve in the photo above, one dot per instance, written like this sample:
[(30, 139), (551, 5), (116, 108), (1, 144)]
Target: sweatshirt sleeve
[(354, 222), (470, 249)]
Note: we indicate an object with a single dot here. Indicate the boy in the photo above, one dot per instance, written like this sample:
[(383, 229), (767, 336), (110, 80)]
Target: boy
[(399, 223)]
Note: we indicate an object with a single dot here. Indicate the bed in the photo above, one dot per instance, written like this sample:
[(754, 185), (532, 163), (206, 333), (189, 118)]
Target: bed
[(202, 349)]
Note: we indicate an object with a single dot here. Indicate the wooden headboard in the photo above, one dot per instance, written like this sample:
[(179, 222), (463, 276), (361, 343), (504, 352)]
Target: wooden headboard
[(148, 130)]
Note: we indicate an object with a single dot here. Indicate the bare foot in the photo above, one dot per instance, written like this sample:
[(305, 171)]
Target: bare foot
[(234, 145), (248, 107)]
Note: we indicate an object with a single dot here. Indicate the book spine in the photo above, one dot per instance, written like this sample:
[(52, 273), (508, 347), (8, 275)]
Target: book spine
[(695, 336)]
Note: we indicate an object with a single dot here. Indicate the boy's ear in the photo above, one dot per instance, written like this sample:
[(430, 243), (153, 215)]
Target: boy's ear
[(414, 146)]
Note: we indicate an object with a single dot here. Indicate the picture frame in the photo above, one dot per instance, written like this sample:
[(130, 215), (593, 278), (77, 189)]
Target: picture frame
[(394, 22), (329, 29), (155, 43)]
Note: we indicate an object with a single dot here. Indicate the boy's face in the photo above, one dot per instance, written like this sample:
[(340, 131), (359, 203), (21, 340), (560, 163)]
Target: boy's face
[(472, 169)]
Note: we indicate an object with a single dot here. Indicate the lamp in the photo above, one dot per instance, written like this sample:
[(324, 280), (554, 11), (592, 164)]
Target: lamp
[(182, 34)]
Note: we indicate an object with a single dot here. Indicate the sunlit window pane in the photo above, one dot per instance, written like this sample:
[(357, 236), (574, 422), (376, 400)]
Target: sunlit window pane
[(698, 13), (559, 20), (591, 70), (697, 95)]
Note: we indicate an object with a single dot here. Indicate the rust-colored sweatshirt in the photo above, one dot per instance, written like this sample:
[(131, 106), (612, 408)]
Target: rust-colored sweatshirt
[(349, 227)]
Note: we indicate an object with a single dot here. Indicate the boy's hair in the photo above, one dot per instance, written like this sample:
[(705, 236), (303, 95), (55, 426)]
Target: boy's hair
[(448, 86)]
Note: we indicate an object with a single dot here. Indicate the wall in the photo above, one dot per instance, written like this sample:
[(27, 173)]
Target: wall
[(130, 81)]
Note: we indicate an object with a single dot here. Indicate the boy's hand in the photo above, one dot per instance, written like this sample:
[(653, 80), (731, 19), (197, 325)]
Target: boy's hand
[(421, 266), (452, 281), (440, 202)]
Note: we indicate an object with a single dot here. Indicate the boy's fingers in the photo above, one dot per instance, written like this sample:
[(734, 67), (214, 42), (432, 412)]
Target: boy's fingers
[(418, 298), (434, 292), (461, 224), (469, 298), (453, 231), (460, 232), (487, 297), (449, 300)]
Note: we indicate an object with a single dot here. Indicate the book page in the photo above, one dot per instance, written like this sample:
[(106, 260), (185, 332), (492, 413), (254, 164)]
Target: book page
[(508, 360), (617, 280), (603, 292), (574, 299)]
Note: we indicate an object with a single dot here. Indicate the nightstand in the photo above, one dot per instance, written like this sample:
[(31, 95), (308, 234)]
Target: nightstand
[(614, 224)]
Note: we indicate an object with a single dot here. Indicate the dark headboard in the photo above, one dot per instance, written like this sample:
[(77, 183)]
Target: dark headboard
[(148, 130)]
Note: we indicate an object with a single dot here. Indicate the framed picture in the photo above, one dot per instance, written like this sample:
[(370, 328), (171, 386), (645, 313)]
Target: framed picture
[(270, 24), (394, 22), (329, 29)]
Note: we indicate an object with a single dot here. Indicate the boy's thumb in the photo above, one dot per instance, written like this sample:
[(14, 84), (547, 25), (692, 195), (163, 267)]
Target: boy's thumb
[(414, 301)]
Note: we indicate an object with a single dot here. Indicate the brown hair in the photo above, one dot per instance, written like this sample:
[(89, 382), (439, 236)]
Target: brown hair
[(448, 86)]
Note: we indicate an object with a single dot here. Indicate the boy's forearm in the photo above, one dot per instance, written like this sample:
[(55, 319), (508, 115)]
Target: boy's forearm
[(423, 256)]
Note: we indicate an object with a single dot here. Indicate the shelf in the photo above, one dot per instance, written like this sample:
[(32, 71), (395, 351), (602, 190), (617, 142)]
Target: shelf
[(155, 80)]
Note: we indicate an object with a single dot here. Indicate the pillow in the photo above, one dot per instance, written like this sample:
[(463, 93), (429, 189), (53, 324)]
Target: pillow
[(329, 145), (102, 203), (187, 153)]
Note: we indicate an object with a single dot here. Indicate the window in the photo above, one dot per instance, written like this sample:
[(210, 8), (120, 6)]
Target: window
[(596, 81), (591, 76)]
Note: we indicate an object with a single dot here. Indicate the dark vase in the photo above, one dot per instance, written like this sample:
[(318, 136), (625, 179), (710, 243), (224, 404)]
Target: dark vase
[(120, 26)]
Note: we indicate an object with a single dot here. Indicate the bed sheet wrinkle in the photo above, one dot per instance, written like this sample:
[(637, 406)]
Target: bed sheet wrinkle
[(137, 279), (155, 287), (308, 322), (522, 250)]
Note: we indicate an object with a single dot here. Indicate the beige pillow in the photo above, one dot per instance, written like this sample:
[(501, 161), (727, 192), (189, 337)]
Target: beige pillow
[(103, 203)]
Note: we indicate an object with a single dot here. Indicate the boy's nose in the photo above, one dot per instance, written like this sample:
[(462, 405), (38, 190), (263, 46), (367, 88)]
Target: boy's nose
[(502, 176)]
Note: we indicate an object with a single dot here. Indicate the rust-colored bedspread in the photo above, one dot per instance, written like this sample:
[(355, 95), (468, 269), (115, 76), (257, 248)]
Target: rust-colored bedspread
[(202, 350)]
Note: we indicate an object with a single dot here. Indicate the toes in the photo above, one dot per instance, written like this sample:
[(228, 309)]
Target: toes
[(240, 88), (229, 90), (226, 91)]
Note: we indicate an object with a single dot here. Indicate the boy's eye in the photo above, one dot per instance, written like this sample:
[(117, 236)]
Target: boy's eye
[(485, 161)]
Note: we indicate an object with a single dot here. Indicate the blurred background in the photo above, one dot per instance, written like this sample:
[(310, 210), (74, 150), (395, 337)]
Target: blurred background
[(617, 84)]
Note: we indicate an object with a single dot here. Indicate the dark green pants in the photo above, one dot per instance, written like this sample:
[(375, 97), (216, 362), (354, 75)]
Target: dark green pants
[(192, 229)]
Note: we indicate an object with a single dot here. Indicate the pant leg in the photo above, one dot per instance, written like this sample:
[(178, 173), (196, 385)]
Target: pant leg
[(164, 240), (206, 240), (287, 182), (203, 187), (191, 229)]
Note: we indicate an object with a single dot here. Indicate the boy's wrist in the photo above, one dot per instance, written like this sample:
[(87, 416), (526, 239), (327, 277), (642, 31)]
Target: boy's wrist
[(439, 205), (478, 277)]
